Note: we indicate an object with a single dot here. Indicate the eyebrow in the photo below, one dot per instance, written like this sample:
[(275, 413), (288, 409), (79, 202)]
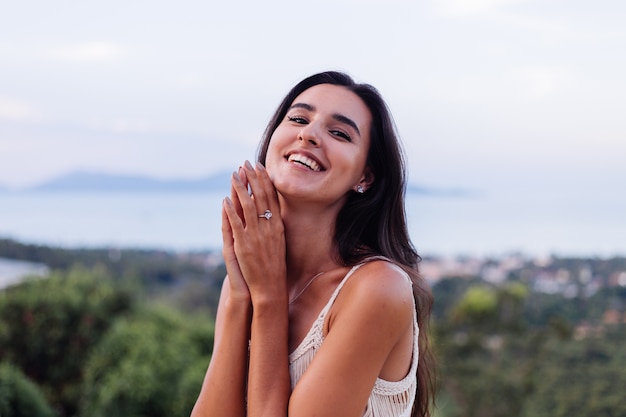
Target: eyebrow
[(338, 117)]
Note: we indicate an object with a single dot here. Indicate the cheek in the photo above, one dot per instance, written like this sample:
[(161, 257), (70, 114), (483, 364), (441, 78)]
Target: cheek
[(272, 158)]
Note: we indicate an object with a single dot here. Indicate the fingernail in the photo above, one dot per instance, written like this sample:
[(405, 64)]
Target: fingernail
[(260, 166), (248, 165), (228, 201), (236, 176)]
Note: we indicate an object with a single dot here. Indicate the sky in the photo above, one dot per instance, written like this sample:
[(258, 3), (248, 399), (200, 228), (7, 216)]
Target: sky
[(516, 96)]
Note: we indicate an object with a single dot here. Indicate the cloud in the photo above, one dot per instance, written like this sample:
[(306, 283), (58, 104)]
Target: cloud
[(87, 52), (17, 110), (192, 79), (129, 126), (538, 82), (531, 18), (530, 83), (470, 8)]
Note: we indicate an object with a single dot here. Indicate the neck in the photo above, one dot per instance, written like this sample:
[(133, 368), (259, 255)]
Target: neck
[(309, 236)]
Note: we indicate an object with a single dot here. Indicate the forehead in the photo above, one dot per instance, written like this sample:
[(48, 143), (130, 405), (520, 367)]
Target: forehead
[(335, 99)]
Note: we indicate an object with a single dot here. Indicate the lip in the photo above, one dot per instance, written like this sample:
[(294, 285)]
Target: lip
[(308, 155)]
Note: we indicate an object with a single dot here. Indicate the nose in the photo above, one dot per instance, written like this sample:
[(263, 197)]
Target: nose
[(310, 134)]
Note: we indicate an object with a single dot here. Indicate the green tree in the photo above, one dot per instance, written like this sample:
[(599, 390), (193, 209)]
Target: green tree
[(580, 378), (20, 397), (484, 351), (48, 326), (150, 364)]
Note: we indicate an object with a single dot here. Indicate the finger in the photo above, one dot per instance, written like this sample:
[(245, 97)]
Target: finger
[(228, 247), (268, 185), (259, 189), (244, 178), (233, 270), (232, 223), (227, 231), (228, 250), (244, 241), (246, 201), (239, 192), (234, 196)]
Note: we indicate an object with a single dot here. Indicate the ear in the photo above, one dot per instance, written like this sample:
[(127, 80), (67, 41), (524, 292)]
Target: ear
[(367, 179)]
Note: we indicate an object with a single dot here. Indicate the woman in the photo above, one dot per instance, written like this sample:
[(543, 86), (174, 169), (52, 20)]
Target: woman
[(322, 307)]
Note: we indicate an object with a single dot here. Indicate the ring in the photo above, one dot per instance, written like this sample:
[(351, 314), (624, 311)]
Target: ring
[(267, 215)]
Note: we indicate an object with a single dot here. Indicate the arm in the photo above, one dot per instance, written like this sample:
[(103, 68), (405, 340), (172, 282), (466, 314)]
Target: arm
[(269, 384), (370, 328), (259, 246), (370, 334), (223, 391)]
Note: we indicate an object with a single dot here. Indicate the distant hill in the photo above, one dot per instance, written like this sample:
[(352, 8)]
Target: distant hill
[(84, 181), (98, 182), (440, 192)]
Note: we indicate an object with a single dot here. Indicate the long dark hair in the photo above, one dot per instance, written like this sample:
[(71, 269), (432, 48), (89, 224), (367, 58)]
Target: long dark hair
[(374, 223)]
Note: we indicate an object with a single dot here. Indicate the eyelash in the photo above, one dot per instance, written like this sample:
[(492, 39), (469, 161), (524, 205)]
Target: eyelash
[(341, 135), (297, 119), (302, 120)]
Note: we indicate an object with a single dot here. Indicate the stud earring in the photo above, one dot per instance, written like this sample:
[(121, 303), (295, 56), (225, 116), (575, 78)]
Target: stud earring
[(360, 189)]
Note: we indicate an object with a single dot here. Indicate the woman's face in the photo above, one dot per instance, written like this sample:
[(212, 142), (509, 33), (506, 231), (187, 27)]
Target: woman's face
[(319, 150)]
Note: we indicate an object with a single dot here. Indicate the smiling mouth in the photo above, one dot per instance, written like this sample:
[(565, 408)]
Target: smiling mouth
[(306, 161)]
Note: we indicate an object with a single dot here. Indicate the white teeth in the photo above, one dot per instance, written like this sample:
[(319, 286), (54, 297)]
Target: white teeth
[(311, 164)]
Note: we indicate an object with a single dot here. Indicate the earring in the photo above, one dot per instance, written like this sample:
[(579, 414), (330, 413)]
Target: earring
[(360, 189)]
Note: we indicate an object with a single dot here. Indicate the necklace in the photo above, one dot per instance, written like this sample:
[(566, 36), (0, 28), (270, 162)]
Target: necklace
[(305, 287)]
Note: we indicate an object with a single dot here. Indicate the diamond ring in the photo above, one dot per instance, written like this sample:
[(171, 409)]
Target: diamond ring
[(267, 215)]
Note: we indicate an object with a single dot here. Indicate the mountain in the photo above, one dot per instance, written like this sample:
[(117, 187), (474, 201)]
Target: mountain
[(98, 182), (413, 189), (83, 181)]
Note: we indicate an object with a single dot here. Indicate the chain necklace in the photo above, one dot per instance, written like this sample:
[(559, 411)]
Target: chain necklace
[(305, 287)]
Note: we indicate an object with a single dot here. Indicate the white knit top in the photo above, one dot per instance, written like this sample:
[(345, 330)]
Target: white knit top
[(388, 398)]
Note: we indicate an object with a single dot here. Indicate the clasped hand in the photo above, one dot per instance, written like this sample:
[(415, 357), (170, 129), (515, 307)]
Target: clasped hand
[(253, 245)]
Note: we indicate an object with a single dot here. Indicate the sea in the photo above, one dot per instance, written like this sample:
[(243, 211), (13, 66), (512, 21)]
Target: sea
[(445, 226)]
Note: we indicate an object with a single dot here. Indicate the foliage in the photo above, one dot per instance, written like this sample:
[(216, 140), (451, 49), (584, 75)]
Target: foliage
[(479, 339), (94, 345), (496, 362), (447, 292), (581, 378), (48, 326), (150, 364), (476, 304), (149, 271), (20, 397)]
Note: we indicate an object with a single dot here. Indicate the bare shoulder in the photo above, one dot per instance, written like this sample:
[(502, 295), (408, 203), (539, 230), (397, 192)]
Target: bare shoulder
[(381, 281), (378, 288)]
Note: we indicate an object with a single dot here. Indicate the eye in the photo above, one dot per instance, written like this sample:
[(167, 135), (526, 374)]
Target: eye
[(341, 134), (298, 119)]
